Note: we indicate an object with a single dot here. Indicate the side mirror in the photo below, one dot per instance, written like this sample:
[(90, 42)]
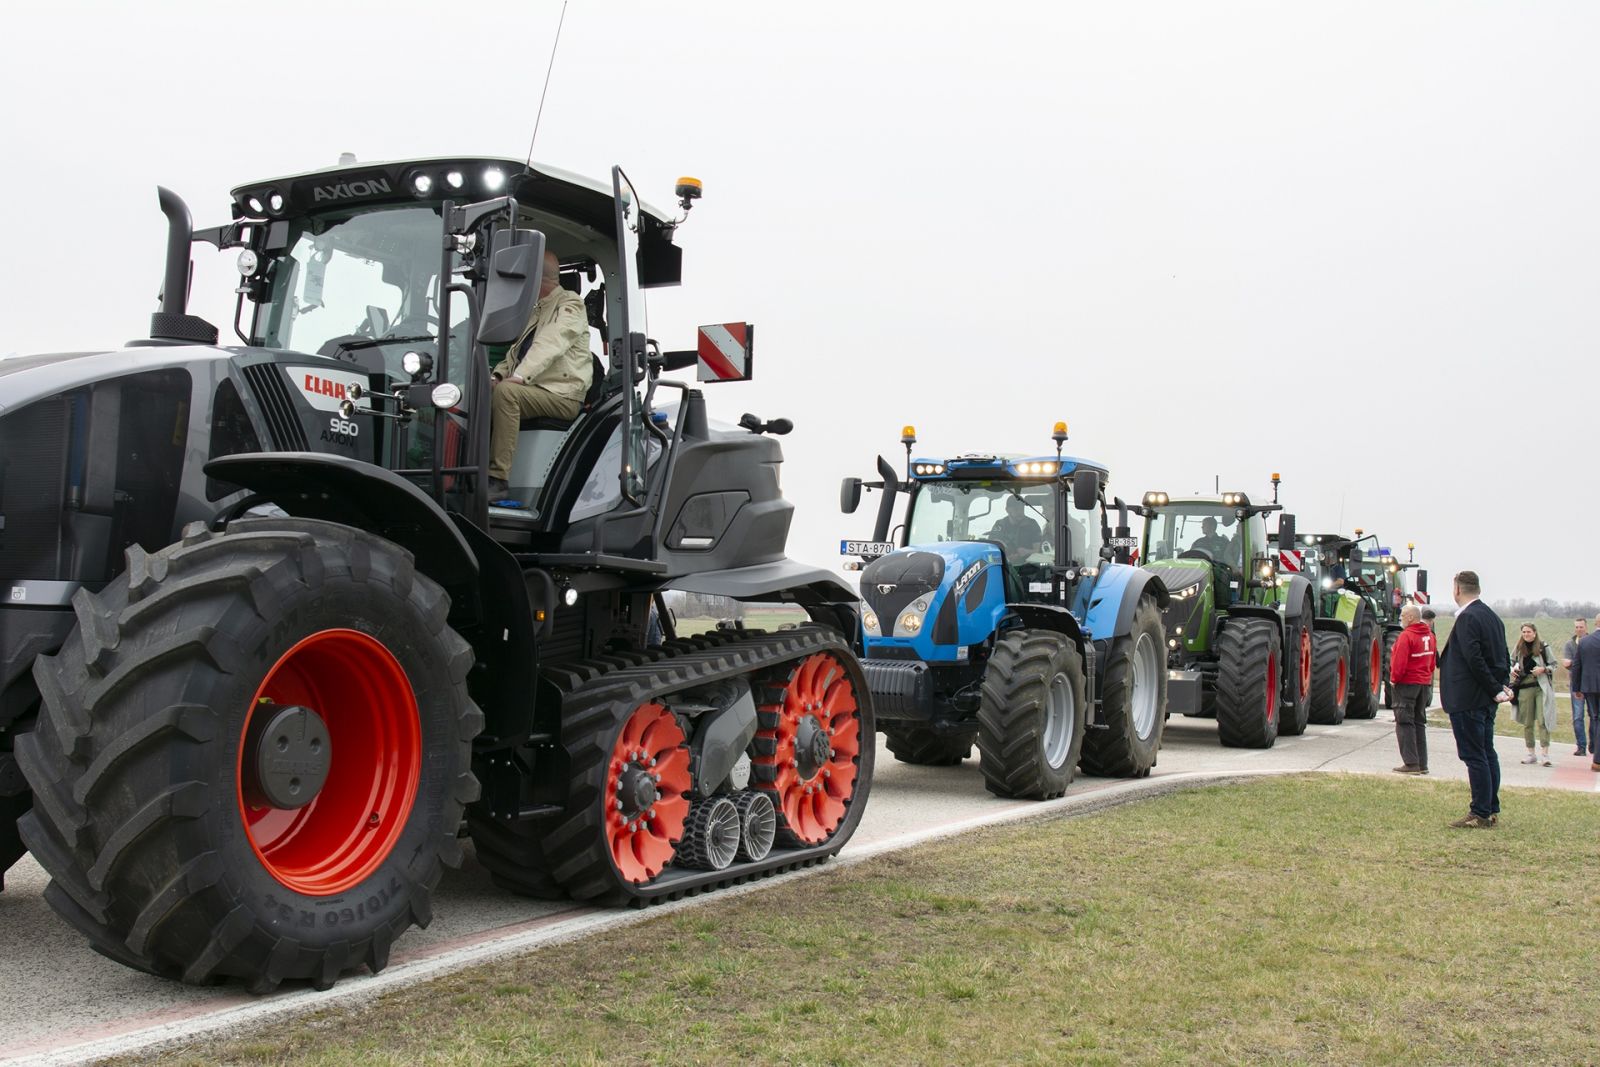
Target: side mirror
[(516, 260), (850, 495), (1286, 532), (1085, 490), (1422, 581)]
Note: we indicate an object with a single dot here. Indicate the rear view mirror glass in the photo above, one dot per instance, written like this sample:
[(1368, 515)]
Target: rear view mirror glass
[(850, 495), (1085, 490)]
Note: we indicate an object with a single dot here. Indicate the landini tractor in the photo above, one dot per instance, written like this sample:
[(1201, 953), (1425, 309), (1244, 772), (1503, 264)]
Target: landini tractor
[(1008, 615), (282, 642), (1240, 636)]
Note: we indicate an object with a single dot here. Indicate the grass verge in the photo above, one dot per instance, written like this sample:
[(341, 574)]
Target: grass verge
[(1311, 919)]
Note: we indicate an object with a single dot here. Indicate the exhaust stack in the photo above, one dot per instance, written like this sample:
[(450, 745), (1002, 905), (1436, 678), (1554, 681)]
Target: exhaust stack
[(173, 322)]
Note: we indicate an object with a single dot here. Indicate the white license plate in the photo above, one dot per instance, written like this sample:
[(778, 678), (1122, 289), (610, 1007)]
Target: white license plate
[(866, 548)]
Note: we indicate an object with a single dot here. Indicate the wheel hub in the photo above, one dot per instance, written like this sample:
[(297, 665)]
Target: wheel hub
[(286, 758), (811, 747), (636, 788)]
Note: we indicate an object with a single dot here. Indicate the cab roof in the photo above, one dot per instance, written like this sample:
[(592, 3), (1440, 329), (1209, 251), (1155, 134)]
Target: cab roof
[(998, 465)]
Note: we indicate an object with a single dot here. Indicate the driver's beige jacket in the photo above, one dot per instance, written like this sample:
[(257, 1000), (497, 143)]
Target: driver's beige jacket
[(557, 358)]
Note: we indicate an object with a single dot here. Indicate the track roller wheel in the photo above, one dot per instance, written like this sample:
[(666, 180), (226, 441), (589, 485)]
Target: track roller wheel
[(646, 794), (252, 757), (758, 824), (711, 835), (807, 748)]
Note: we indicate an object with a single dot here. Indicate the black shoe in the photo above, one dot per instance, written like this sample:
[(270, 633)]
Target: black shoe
[(499, 489)]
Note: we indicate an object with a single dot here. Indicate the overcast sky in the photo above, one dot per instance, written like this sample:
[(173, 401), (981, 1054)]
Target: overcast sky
[(1354, 243)]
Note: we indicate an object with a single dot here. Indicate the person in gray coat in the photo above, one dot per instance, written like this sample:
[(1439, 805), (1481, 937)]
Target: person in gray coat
[(1586, 680)]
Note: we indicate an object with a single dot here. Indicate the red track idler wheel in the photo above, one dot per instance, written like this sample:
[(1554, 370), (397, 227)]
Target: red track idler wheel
[(329, 761), (646, 796), (813, 736)]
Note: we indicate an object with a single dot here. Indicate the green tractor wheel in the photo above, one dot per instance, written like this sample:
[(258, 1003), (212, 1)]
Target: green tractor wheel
[(1297, 669), (1247, 683), (1330, 677), (1389, 638), (1366, 668)]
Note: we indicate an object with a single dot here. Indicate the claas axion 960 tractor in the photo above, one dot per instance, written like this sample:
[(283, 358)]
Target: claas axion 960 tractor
[(282, 642), (1008, 615), (1240, 634)]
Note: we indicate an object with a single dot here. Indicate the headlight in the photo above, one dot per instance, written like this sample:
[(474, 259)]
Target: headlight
[(908, 623), (869, 620)]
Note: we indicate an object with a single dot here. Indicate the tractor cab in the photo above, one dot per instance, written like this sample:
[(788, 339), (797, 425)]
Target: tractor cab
[(1226, 534)]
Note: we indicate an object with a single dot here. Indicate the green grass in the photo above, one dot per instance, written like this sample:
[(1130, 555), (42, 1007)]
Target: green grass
[(1303, 920)]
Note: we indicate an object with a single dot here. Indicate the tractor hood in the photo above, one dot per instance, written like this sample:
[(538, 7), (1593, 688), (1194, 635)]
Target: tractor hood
[(932, 601), (24, 379), (1191, 587)]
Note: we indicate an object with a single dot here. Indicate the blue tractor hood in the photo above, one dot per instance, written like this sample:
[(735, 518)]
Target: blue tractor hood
[(932, 601)]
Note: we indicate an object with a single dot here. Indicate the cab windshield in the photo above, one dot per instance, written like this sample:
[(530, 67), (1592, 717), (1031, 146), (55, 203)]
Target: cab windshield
[(1020, 517), (366, 280), (1195, 531)]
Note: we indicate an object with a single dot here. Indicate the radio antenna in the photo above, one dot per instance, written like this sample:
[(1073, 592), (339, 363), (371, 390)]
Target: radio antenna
[(546, 90)]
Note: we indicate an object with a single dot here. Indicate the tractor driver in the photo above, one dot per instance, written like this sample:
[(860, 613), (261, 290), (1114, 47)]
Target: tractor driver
[(1020, 534), (545, 374), (1213, 544)]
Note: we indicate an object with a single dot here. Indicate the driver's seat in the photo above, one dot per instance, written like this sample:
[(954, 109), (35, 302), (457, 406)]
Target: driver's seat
[(539, 439)]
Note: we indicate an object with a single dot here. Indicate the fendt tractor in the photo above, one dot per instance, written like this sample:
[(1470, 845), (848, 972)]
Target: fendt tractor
[(285, 642), (1358, 596), (1007, 615), (1241, 636)]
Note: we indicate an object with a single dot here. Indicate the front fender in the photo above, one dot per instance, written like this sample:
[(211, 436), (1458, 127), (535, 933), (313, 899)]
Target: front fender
[(1115, 598), (315, 485)]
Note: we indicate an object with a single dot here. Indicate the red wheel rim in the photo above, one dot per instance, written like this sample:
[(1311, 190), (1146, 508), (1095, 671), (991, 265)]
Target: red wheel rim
[(1272, 688), (1305, 663), (1344, 682), (375, 740), (1375, 674), (647, 793), (813, 791)]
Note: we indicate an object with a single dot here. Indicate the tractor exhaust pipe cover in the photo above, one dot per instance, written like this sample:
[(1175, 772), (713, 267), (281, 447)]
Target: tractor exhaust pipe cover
[(173, 322), (891, 488)]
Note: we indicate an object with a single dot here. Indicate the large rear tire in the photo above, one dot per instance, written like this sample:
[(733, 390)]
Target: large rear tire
[(1330, 677), (1366, 669), (1031, 715), (925, 746), (169, 808), (1389, 638), (1133, 710), (1247, 683), (1295, 711), (15, 800)]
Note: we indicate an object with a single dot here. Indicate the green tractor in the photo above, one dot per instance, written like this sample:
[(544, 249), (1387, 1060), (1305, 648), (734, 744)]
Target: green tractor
[(1239, 635), (1360, 592)]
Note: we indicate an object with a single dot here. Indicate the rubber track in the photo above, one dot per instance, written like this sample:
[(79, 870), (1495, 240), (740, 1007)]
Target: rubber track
[(130, 848), (1116, 751), (1327, 650), (925, 747), (573, 853), (1245, 647), (1010, 717)]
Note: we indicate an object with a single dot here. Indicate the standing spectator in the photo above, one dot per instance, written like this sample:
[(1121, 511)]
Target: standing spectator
[(1586, 680), (1473, 668), (1411, 673), (1580, 628), (1531, 668)]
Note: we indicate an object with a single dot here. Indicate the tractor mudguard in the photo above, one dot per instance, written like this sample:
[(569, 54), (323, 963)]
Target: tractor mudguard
[(1333, 626), (826, 597), (1116, 597), (352, 493), (1294, 589), (1253, 611), (1050, 617)]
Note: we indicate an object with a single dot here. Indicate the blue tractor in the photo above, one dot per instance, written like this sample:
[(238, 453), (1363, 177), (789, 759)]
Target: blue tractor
[(1007, 615)]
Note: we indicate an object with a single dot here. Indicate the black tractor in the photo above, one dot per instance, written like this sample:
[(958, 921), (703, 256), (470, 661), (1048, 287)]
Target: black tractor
[(268, 644)]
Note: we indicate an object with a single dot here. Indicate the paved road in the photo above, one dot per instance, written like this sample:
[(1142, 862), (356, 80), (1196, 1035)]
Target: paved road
[(57, 995)]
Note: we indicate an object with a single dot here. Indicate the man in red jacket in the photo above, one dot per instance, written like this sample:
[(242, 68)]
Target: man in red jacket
[(1411, 672)]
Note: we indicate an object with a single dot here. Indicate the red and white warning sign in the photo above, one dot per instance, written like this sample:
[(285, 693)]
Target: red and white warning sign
[(1291, 560), (1420, 596), (725, 352)]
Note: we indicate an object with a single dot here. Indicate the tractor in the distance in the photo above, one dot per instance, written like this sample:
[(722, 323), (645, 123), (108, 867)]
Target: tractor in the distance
[(1240, 635), (1380, 575), (1006, 615), (282, 640)]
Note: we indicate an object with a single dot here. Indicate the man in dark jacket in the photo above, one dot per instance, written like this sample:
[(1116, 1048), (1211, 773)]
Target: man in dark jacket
[(1474, 667), (1586, 680)]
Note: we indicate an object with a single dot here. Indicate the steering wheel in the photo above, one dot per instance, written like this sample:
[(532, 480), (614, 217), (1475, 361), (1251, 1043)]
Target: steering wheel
[(1196, 553)]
